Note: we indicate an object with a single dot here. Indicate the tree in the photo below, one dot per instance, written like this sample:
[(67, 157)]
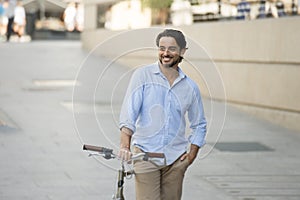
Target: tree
[(160, 10)]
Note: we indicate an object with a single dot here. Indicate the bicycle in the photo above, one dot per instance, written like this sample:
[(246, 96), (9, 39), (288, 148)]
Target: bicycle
[(122, 173)]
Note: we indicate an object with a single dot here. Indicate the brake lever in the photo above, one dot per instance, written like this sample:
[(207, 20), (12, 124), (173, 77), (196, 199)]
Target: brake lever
[(106, 155), (138, 156)]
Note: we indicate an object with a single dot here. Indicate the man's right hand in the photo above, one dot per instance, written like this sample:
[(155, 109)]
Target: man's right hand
[(124, 154)]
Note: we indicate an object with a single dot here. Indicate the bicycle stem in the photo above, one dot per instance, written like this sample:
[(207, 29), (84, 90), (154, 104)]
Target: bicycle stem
[(121, 175)]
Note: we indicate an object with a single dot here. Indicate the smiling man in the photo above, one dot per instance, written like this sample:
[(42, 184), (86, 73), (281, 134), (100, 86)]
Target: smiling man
[(152, 120)]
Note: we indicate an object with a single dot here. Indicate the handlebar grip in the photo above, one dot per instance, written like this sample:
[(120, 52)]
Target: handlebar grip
[(96, 148)]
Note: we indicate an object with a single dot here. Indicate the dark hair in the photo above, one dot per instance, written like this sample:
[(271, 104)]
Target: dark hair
[(177, 35)]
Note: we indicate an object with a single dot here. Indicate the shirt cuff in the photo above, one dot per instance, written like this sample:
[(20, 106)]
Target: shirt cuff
[(132, 128), (197, 139)]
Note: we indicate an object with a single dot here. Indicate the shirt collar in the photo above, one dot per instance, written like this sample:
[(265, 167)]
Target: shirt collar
[(156, 70)]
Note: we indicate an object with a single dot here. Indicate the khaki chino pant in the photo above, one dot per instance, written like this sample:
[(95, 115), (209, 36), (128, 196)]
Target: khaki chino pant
[(159, 183)]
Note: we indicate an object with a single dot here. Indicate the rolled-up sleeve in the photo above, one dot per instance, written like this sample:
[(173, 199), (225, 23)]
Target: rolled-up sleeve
[(131, 103), (197, 121)]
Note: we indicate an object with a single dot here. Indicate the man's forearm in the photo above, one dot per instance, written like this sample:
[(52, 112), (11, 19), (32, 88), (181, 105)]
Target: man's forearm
[(125, 138), (193, 153), (194, 150)]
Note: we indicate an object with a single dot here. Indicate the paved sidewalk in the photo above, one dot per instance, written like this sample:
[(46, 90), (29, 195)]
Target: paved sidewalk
[(41, 140)]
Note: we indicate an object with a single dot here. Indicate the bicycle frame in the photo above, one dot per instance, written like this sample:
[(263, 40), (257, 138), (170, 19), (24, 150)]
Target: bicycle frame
[(122, 173)]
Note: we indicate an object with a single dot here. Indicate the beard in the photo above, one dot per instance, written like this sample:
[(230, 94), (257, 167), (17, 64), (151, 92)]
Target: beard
[(172, 64)]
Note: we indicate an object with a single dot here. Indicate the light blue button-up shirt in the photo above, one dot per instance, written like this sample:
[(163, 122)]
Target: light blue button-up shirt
[(156, 112)]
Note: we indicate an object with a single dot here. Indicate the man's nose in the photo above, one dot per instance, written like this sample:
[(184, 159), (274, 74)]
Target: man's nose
[(166, 51)]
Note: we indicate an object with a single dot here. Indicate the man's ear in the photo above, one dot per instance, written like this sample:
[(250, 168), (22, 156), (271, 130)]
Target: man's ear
[(182, 51)]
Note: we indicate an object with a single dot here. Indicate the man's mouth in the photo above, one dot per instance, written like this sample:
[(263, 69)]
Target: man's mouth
[(166, 58)]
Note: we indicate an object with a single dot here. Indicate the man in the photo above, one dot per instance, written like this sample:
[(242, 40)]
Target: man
[(243, 10), (19, 19), (152, 120), (10, 12)]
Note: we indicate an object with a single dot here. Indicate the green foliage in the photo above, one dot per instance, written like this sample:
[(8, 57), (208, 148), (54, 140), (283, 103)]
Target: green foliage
[(157, 4)]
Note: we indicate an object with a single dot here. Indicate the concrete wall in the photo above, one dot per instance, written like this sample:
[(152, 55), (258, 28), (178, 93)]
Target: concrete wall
[(258, 62)]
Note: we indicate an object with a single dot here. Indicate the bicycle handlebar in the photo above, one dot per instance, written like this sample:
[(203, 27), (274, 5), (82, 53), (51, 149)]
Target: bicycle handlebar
[(138, 156), (107, 153), (96, 148)]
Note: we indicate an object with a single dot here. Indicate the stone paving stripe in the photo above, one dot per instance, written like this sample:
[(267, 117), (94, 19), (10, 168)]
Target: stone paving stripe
[(254, 178), (50, 85), (258, 185), (98, 107), (267, 198), (6, 123), (264, 192), (55, 83), (241, 146)]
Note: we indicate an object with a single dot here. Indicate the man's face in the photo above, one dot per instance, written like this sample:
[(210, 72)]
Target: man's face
[(169, 52)]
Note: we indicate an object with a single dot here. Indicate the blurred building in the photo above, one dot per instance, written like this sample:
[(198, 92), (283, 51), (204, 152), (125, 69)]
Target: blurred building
[(116, 15), (48, 15), (207, 10), (45, 18), (130, 14), (45, 8)]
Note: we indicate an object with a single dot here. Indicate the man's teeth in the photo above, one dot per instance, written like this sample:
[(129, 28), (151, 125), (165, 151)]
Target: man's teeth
[(167, 59)]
